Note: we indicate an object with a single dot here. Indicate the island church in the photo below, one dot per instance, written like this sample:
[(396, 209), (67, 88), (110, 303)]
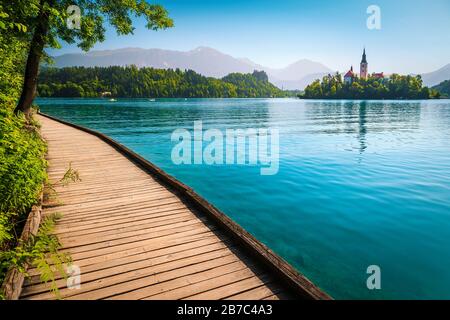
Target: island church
[(363, 71)]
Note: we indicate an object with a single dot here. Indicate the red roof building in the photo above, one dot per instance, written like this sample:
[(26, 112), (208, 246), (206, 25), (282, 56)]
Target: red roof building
[(349, 76), (378, 75)]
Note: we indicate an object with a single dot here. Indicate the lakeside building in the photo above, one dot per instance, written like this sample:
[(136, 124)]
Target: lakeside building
[(350, 76), (379, 75)]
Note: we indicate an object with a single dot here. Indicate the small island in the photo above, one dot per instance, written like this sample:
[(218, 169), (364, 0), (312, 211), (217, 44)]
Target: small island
[(376, 86)]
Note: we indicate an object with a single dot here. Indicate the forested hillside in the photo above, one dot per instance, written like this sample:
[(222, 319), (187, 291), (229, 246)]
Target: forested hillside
[(443, 88), (133, 82)]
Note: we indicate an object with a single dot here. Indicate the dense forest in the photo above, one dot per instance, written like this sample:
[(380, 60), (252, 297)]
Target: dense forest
[(133, 82), (443, 88), (394, 87)]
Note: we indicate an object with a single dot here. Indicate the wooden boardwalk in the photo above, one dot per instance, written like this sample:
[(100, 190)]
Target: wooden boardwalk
[(133, 237)]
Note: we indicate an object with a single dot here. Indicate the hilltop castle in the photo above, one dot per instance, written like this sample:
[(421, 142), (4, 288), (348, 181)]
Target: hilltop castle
[(363, 71)]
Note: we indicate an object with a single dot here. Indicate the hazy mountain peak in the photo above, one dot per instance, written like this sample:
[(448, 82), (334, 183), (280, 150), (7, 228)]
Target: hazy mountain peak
[(204, 49), (433, 78), (248, 61), (300, 69), (97, 53)]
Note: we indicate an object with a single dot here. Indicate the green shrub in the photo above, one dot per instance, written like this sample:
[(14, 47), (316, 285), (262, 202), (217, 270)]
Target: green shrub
[(22, 170), (22, 174), (41, 252)]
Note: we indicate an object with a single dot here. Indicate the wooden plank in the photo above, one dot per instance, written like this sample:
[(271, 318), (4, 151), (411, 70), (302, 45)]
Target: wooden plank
[(201, 282), (147, 244), (127, 281), (192, 228), (137, 256), (231, 286), (130, 221), (104, 210), (139, 248), (130, 265), (258, 293), (186, 285), (83, 224), (129, 226), (117, 217)]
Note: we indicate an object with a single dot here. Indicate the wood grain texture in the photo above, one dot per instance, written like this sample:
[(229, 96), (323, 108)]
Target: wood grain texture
[(137, 233)]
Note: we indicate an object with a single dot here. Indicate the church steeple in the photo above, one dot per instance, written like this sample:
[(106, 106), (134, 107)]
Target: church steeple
[(364, 59), (364, 66)]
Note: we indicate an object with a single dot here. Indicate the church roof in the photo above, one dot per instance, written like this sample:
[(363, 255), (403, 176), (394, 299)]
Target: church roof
[(349, 73)]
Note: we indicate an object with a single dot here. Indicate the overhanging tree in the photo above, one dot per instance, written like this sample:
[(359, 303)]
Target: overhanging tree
[(44, 22)]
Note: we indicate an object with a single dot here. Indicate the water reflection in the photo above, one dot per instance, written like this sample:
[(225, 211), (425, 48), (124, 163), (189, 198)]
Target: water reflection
[(382, 116), (362, 127), (362, 119)]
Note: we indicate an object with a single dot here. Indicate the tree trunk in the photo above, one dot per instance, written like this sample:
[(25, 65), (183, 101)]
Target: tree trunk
[(32, 66)]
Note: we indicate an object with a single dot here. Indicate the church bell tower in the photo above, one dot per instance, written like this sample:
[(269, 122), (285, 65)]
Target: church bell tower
[(363, 71)]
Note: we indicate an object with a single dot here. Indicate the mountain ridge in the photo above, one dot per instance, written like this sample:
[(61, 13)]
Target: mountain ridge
[(204, 60), (436, 77), (211, 62)]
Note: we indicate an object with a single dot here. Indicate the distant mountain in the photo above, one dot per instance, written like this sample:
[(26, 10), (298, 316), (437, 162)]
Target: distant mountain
[(436, 77), (206, 61), (299, 84), (299, 70)]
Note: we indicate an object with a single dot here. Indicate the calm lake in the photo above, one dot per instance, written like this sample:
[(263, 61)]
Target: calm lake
[(359, 183)]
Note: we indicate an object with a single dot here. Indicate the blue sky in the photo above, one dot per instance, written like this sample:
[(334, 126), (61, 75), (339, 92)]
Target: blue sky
[(414, 35)]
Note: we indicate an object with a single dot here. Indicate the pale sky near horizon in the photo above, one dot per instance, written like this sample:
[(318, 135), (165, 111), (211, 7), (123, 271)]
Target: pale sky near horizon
[(414, 35)]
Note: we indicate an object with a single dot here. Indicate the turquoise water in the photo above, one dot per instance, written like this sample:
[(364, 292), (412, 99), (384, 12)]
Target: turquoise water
[(359, 183)]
